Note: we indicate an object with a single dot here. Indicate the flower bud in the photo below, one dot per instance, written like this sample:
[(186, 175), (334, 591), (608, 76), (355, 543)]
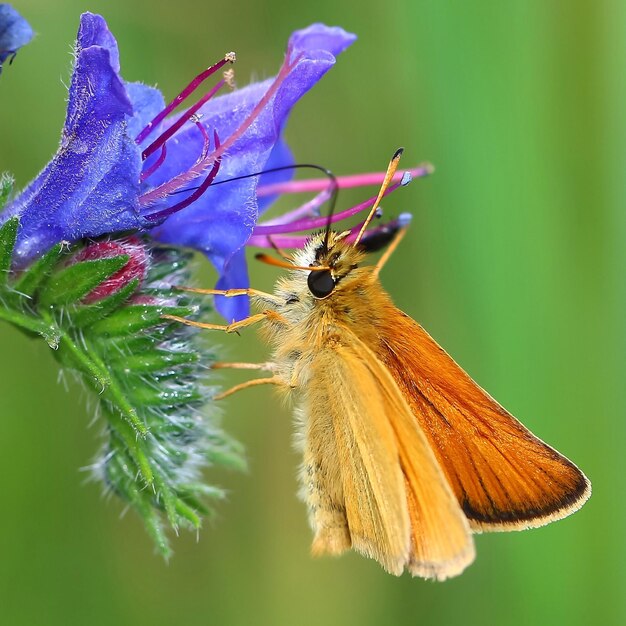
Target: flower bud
[(136, 267)]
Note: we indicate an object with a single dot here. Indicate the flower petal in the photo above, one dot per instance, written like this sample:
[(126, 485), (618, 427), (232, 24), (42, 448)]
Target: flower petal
[(15, 32), (91, 185), (318, 36), (280, 156), (233, 275), (221, 221), (147, 103)]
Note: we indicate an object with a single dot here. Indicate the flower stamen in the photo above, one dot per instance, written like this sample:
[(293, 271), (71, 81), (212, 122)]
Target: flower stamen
[(205, 135), (343, 182), (185, 117), (230, 57), (164, 190), (299, 241), (308, 209), (155, 166), (320, 222), (206, 183)]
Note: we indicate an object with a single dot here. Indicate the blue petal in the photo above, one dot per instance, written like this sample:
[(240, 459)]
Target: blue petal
[(234, 274), (93, 31), (147, 103), (15, 32), (91, 185), (280, 156), (221, 221), (321, 37)]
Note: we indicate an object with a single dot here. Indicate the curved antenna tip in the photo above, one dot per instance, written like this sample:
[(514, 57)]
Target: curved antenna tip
[(397, 154)]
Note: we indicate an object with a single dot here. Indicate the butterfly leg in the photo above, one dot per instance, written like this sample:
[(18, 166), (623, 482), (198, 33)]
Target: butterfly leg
[(231, 293), (391, 248), (228, 328), (267, 367), (274, 380)]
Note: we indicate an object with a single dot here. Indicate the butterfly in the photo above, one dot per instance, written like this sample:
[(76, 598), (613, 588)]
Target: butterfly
[(404, 455)]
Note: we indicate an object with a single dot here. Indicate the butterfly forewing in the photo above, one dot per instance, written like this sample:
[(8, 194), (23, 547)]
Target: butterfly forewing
[(504, 477), (398, 506)]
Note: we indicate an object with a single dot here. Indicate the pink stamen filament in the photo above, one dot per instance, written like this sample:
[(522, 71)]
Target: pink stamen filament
[(298, 241), (308, 209), (282, 241), (164, 190), (319, 222), (206, 183), (181, 97), (156, 165), (185, 117), (343, 182), (207, 141)]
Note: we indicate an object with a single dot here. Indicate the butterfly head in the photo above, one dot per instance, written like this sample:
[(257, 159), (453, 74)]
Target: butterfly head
[(331, 259)]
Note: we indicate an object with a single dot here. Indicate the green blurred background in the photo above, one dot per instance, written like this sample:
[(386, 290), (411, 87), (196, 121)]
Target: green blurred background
[(515, 263)]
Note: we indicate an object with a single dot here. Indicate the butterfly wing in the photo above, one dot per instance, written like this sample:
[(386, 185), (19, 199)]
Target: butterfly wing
[(397, 505), (504, 477)]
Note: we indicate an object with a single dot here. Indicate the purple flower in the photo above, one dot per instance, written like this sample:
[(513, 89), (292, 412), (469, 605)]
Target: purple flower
[(126, 164), (15, 32)]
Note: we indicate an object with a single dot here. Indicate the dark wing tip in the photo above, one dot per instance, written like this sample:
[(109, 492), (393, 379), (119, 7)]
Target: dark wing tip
[(535, 514)]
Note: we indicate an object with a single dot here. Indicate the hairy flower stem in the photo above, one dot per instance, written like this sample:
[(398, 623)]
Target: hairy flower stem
[(99, 306)]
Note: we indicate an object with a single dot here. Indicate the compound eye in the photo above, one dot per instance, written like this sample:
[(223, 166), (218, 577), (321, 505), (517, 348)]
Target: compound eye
[(321, 284)]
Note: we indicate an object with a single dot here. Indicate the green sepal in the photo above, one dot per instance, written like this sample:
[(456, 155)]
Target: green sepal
[(134, 318), (156, 361), (8, 235), (86, 315), (31, 325), (150, 396), (172, 259), (77, 280), (29, 281)]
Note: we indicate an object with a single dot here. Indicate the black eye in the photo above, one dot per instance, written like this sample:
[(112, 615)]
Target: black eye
[(321, 283)]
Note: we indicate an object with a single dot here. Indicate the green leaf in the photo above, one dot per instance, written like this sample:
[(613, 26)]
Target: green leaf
[(77, 280)]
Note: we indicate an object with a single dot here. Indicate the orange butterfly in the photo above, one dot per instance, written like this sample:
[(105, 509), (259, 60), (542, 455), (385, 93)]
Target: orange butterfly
[(404, 455)]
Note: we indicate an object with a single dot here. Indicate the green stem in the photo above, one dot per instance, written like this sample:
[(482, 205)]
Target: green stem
[(48, 330)]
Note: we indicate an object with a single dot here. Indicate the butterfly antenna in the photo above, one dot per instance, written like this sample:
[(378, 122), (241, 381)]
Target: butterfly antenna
[(391, 170), (331, 208), (332, 178)]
